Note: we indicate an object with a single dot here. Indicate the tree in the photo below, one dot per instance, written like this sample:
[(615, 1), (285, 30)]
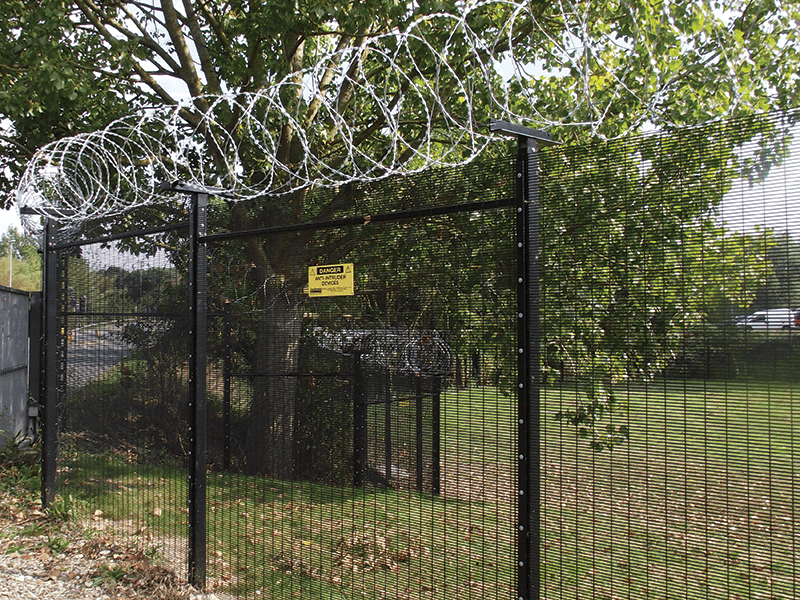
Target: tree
[(68, 67), (26, 270), (584, 68), (782, 287), (636, 263)]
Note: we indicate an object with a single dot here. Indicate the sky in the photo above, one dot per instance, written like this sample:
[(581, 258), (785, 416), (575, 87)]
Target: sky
[(775, 203), (9, 218)]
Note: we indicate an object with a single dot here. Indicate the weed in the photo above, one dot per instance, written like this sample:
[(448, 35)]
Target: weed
[(110, 574), (57, 544), (153, 553), (32, 529), (19, 467), (63, 508), (18, 451)]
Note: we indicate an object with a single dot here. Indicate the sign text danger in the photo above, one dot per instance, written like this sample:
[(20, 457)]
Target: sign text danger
[(330, 280)]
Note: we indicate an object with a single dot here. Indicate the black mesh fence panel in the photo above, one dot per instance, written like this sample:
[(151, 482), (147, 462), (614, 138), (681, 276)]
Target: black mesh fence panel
[(122, 418), (372, 434), (669, 442), (365, 433)]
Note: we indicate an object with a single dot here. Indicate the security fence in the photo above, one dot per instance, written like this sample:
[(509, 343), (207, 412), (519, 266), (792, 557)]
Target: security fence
[(544, 376), (668, 439)]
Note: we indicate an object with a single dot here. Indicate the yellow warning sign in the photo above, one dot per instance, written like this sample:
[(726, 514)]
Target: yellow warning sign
[(330, 280)]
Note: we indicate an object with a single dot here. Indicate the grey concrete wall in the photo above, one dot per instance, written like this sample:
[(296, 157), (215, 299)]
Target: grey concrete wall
[(13, 363)]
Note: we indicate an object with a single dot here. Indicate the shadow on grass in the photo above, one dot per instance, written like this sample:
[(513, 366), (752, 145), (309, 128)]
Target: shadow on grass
[(300, 539)]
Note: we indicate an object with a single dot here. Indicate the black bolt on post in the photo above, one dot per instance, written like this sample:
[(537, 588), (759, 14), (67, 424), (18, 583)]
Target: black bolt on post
[(528, 356), (52, 343)]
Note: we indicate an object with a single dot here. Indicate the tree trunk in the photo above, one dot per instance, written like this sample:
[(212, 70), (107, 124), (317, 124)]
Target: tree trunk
[(270, 434), (279, 264)]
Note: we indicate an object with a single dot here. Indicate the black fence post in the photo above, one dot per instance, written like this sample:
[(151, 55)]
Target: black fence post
[(198, 292), (226, 386), (387, 425), (419, 431), (529, 373), (52, 351), (436, 437), (359, 423), (528, 356), (35, 361)]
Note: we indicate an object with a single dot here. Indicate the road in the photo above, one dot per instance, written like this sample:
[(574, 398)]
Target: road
[(93, 350)]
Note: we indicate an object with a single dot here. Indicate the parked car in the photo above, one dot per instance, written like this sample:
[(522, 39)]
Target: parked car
[(770, 320)]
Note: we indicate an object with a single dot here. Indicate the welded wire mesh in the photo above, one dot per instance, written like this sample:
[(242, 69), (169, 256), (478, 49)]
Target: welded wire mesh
[(365, 445), (669, 447), (398, 474), (122, 419)]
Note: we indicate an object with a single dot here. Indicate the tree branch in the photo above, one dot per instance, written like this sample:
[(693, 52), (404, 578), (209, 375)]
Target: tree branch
[(327, 78), (28, 152), (92, 12), (294, 47), (188, 72), (215, 26), (202, 51)]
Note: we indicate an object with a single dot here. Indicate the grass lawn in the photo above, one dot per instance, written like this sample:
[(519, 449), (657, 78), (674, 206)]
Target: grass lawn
[(699, 504), (279, 539), (289, 540)]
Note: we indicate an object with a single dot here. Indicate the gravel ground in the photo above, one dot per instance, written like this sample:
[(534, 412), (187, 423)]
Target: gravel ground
[(43, 558), (27, 576)]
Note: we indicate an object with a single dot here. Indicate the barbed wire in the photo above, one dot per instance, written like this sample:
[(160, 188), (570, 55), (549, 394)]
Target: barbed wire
[(216, 140), (418, 352)]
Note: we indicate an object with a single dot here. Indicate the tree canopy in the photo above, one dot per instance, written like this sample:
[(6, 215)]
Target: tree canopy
[(70, 67)]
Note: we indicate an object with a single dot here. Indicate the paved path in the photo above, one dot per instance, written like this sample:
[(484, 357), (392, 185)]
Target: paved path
[(92, 351)]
